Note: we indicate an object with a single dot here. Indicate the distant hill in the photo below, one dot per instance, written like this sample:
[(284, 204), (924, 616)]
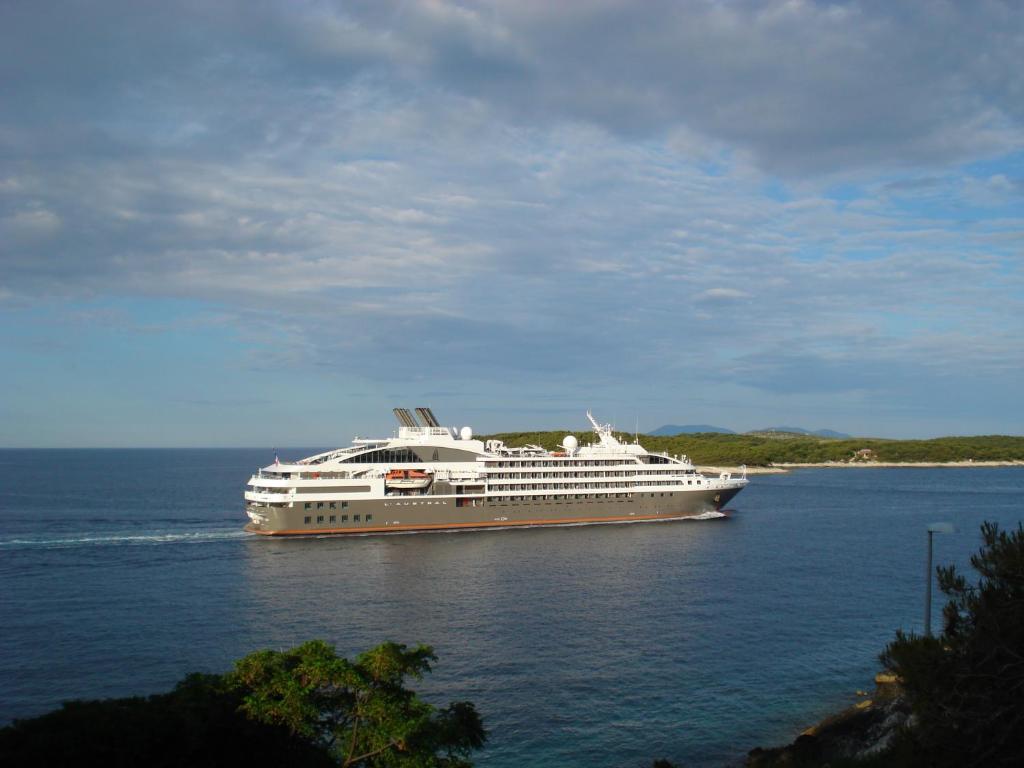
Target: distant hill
[(670, 430), (831, 433), (801, 431), (688, 429)]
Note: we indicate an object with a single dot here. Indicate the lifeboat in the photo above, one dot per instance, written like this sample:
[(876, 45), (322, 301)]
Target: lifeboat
[(407, 479)]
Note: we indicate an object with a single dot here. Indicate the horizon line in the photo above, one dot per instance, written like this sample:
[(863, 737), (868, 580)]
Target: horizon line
[(329, 447)]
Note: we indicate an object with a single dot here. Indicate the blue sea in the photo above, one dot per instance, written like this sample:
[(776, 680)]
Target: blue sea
[(611, 645)]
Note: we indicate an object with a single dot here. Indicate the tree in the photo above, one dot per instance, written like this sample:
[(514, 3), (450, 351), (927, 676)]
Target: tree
[(967, 686), (197, 725), (361, 711)]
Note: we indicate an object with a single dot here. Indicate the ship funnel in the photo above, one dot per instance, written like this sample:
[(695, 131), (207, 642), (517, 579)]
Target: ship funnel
[(404, 417), (427, 417)]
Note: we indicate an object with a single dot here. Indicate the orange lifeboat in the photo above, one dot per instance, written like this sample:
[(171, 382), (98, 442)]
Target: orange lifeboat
[(407, 479)]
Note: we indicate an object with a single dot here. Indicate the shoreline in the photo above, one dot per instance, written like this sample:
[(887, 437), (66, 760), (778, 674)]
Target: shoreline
[(785, 467), (862, 730), (717, 470)]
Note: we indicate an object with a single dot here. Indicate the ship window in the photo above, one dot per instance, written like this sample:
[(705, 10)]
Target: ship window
[(332, 505), (344, 518), (355, 518), (369, 518), (308, 505), (398, 456), (319, 505), (334, 518), (308, 519), (344, 505)]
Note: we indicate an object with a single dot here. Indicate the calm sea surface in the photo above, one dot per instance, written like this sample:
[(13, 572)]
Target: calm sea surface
[(609, 645)]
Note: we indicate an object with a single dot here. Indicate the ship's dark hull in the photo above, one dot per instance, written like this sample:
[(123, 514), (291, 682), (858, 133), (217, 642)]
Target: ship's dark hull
[(425, 513)]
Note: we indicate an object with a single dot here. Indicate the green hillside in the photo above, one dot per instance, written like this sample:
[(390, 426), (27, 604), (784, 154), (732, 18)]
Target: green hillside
[(763, 449)]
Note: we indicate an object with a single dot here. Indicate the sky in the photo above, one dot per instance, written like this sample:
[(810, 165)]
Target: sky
[(261, 223)]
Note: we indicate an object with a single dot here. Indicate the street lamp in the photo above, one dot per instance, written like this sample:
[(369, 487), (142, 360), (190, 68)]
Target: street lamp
[(932, 529)]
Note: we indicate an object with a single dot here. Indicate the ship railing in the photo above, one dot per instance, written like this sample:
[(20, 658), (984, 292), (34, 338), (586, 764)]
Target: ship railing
[(293, 476), (264, 496), (526, 450), (264, 475), (370, 474), (273, 477), (455, 474), (408, 432)]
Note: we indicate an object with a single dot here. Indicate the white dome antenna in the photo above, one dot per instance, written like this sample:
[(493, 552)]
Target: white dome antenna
[(570, 444), (466, 433)]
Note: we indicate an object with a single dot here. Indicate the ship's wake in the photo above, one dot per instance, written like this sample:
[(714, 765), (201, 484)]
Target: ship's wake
[(707, 516), (119, 539)]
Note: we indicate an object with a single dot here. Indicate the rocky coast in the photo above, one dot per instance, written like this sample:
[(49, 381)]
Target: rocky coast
[(865, 730)]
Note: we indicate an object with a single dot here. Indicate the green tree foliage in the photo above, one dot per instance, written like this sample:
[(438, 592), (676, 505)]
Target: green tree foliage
[(967, 685), (760, 449), (197, 725), (305, 708), (361, 711)]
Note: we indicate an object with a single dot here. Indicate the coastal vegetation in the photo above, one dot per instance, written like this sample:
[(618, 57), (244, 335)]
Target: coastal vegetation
[(303, 707), (361, 712), (951, 701), (966, 686), (766, 448), (199, 723)]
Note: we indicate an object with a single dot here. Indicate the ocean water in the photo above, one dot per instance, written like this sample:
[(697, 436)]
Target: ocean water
[(608, 645)]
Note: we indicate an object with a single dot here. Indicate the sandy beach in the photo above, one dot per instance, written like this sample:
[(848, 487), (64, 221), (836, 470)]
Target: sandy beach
[(709, 470)]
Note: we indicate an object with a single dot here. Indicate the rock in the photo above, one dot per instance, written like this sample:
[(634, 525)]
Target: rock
[(864, 729)]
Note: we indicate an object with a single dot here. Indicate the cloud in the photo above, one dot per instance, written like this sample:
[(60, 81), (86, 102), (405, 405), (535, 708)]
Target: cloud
[(29, 225), (803, 87), (797, 196), (722, 294)]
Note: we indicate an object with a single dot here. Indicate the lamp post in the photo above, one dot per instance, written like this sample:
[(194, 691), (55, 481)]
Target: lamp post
[(932, 529)]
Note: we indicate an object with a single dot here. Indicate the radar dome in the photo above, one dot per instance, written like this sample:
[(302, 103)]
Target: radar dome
[(569, 443), (466, 433)]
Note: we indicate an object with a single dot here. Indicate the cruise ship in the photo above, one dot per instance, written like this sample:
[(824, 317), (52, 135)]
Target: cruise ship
[(430, 477)]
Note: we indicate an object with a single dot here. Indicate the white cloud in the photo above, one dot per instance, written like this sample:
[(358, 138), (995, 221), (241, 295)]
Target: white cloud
[(30, 225), (723, 294), (544, 190)]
